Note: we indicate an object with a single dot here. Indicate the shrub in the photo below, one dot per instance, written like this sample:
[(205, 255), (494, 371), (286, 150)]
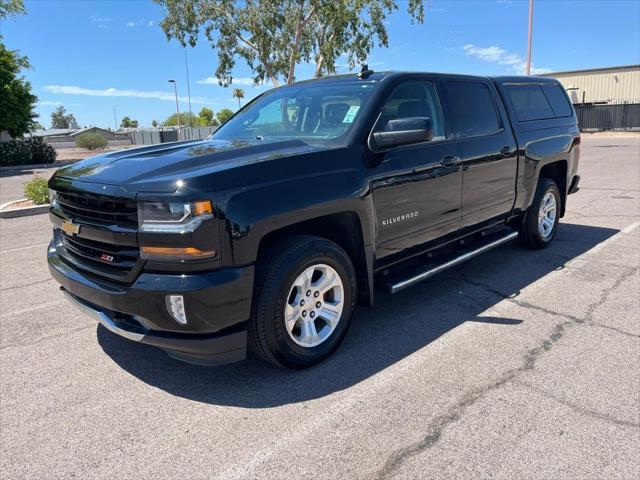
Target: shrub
[(26, 151), (37, 190), (91, 141)]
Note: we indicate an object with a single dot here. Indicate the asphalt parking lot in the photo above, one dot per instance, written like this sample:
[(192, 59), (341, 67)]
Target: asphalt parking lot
[(519, 364)]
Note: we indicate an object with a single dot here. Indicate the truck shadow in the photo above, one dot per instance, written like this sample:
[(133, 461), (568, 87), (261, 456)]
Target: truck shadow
[(379, 337)]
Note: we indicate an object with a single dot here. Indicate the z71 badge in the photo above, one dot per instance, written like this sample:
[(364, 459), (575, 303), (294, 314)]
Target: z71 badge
[(399, 218)]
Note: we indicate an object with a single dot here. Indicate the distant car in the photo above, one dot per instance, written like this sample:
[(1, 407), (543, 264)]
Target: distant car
[(269, 232)]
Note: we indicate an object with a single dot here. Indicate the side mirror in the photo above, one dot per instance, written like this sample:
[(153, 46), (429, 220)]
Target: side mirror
[(404, 131)]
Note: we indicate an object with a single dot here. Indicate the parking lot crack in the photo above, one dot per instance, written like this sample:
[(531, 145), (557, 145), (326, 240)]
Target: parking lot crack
[(588, 412), (529, 360)]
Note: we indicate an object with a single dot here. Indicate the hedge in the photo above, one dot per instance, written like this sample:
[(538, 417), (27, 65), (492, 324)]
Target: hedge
[(28, 151)]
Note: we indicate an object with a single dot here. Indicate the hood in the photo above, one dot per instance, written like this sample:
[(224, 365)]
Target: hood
[(156, 168)]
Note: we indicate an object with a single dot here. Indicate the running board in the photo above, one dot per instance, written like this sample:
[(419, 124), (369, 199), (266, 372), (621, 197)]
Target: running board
[(394, 284)]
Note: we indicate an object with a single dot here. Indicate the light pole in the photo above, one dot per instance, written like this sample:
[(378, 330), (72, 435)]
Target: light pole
[(115, 120), (530, 35), (175, 88), (186, 66)]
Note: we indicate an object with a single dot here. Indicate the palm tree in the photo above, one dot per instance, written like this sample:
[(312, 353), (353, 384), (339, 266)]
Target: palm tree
[(239, 94)]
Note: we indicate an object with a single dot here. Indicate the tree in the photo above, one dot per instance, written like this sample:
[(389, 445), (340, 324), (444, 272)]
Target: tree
[(154, 123), (205, 116), (274, 37), (224, 115), (60, 119), (16, 101), (128, 123), (11, 8), (172, 120), (239, 94)]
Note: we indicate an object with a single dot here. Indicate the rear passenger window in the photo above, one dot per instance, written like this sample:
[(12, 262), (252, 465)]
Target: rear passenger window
[(473, 109), (529, 102), (557, 99)]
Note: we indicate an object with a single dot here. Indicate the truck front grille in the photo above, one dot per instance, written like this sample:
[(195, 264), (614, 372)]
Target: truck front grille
[(116, 259), (120, 212)]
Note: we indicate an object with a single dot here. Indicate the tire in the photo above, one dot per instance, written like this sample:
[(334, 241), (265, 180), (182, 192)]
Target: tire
[(531, 233), (282, 278)]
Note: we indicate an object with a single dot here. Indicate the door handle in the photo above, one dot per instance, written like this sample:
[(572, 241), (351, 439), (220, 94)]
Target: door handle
[(450, 161), (506, 150)]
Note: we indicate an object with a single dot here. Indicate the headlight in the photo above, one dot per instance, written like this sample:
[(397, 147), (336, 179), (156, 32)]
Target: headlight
[(53, 196), (173, 217)]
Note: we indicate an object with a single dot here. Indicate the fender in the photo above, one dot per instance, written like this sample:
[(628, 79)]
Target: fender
[(535, 153), (252, 213)]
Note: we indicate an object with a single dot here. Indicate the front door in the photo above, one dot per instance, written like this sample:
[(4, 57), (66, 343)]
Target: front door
[(416, 188)]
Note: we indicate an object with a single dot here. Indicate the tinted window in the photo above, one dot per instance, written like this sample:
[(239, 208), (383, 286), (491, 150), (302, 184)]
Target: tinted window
[(529, 102), (473, 109), (314, 113), (414, 100), (558, 100)]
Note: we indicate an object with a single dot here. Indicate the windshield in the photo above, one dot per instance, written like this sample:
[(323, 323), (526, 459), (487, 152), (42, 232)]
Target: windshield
[(316, 114)]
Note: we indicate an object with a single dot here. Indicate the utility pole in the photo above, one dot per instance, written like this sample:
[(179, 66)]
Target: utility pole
[(115, 120), (530, 35), (186, 66), (175, 88)]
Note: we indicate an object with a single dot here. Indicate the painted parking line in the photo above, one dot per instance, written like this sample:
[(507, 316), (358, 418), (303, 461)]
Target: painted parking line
[(16, 249)]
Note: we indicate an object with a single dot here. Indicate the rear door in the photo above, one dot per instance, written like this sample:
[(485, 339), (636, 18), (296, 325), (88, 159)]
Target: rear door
[(416, 188), (487, 148)]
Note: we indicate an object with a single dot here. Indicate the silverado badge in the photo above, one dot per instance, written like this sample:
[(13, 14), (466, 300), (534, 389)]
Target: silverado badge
[(70, 228)]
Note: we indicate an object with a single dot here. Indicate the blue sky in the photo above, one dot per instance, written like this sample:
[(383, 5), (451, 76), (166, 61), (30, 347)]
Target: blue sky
[(91, 56)]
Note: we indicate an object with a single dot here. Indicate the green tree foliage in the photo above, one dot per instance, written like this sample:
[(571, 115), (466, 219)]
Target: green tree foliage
[(91, 141), (274, 37), (61, 119), (224, 115), (16, 100), (206, 118), (11, 8), (128, 123), (239, 94)]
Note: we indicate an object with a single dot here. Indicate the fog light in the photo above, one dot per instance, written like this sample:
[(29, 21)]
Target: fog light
[(175, 306)]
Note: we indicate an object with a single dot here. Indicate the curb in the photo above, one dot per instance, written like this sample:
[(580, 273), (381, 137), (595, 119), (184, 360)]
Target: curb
[(22, 212), (36, 166)]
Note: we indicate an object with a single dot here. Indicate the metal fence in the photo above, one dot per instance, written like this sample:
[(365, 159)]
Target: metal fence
[(151, 137), (617, 117)]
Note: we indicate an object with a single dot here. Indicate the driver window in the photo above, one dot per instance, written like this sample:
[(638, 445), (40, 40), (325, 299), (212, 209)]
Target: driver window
[(416, 99)]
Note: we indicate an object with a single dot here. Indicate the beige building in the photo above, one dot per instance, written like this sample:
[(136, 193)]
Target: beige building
[(601, 85)]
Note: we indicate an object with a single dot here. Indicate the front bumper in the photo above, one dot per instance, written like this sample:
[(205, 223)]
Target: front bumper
[(217, 303)]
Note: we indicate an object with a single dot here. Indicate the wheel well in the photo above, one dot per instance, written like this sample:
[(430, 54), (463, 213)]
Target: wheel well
[(557, 171), (341, 228)]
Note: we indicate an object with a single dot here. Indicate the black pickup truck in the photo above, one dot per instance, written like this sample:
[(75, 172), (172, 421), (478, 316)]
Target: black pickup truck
[(305, 202)]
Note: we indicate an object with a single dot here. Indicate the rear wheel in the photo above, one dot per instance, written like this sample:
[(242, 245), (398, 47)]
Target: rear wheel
[(305, 297), (540, 225)]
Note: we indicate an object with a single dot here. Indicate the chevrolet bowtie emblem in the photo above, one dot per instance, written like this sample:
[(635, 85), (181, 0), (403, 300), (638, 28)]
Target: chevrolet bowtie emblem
[(70, 228)]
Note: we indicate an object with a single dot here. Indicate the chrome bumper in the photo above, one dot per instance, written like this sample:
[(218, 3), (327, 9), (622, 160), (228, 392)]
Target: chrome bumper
[(103, 318)]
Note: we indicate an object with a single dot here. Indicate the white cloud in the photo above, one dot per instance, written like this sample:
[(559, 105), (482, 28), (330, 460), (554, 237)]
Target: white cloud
[(137, 23), (495, 54), (100, 21), (48, 103), (115, 92), (236, 81)]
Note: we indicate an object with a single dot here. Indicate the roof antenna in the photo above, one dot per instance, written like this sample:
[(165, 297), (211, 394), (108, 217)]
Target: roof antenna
[(365, 72)]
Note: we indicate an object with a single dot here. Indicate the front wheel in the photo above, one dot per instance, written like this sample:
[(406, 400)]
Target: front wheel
[(540, 225), (305, 297)]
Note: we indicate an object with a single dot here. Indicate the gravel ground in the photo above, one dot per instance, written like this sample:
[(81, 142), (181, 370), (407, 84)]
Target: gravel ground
[(519, 364)]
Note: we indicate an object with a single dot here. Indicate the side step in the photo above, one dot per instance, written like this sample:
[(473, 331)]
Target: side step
[(395, 282)]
